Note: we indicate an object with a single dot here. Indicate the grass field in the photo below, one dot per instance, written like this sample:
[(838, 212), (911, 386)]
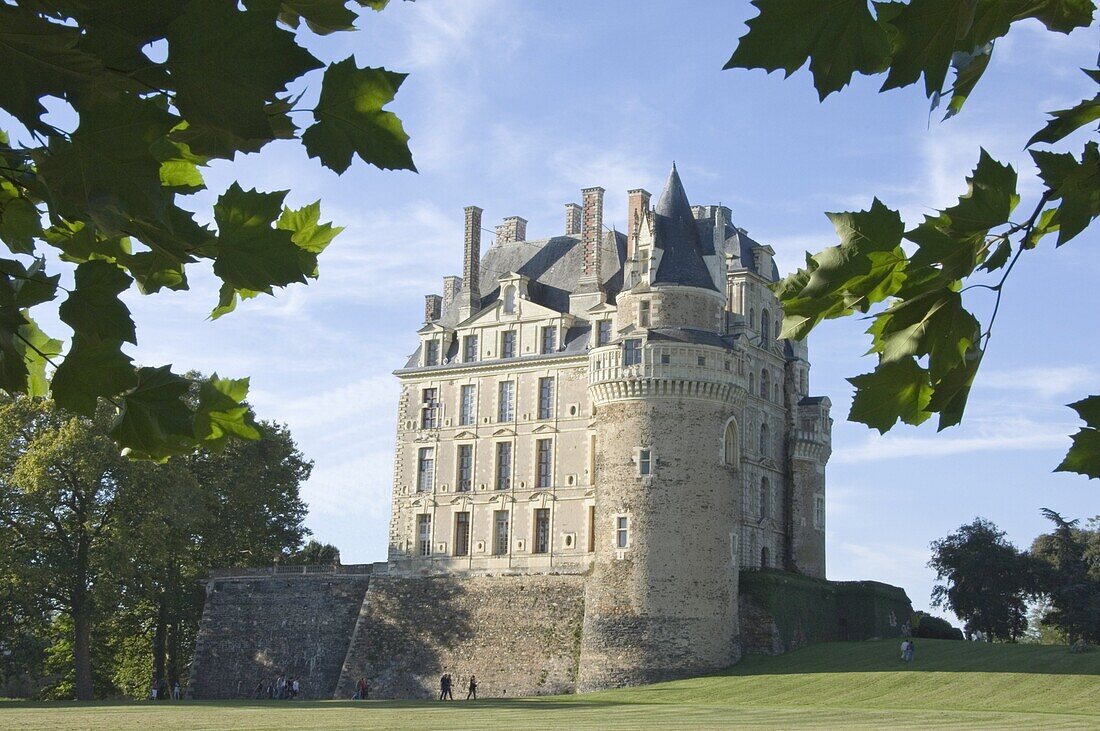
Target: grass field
[(839, 685)]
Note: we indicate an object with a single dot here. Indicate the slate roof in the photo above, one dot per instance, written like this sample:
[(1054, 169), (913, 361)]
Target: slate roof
[(575, 343), (690, 335), (677, 235)]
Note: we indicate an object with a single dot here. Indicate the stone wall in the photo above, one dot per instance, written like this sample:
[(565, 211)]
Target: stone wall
[(520, 635), (782, 611), (256, 627)]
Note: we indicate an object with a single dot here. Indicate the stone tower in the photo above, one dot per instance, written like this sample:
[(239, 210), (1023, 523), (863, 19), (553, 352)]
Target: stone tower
[(662, 597)]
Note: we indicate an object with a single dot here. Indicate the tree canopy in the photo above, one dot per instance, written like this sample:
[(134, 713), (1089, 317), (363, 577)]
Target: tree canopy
[(912, 279), (155, 90)]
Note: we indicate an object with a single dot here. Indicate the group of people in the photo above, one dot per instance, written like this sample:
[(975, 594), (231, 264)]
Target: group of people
[(362, 689), (446, 683), (161, 689), (908, 650), (279, 689)]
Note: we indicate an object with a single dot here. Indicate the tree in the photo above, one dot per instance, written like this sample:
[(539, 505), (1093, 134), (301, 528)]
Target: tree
[(929, 345), (986, 580), (1070, 578), (315, 553), (154, 90)]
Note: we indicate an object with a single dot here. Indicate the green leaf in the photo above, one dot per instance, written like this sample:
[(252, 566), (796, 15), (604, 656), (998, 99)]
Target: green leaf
[(1063, 15), (308, 233), (80, 242), (969, 68), (953, 389), (350, 120), (20, 220), (154, 271), (92, 369), (839, 37), (227, 300), (1064, 122), (935, 324), (153, 421), (227, 65), (222, 411), (93, 308), (1045, 224), (955, 255), (251, 254), (179, 166), (322, 16), (925, 41), (1077, 184), (1084, 455), (26, 286), (998, 258), (898, 390), (990, 198)]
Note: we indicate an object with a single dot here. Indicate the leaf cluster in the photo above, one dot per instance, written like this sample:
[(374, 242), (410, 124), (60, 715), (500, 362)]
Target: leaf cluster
[(158, 90), (911, 282)]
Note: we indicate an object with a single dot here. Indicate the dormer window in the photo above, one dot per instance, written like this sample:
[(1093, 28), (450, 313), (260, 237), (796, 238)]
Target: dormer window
[(549, 339), (603, 332), (509, 300), (469, 349), (632, 352), (508, 344), (643, 313), (429, 408), (431, 353)]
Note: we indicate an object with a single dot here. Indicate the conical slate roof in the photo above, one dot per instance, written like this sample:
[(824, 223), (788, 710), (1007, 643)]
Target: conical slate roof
[(678, 237)]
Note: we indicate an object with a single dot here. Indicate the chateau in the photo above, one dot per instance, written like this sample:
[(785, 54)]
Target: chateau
[(603, 449)]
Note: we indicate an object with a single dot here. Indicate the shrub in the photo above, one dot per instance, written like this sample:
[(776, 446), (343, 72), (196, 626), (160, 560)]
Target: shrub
[(933, 628)]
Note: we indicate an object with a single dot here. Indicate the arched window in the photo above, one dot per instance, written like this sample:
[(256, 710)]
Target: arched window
[(765, 498), (775, 393), (765, 326), (752, 318), (731, 445), (764, 452), (765, 557), (510, 300), (765, 384), (752, 382)]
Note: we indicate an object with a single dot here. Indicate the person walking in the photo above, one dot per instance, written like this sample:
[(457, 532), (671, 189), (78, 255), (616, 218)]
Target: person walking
[(448, 684), (176, 691), (295, 687), (472, 689), (362, 690), (912, 651), (153, 690), (905, 650), (443, 686)]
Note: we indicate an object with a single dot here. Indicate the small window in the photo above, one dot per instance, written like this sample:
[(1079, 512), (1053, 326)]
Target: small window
[(510, 299), (632, 352), (425, 469), (545, 459), (666, 359), (429, 408), (591, 528), (508, 344), (765, 450), (732, 446), (549, 340), (424, 534), (504, 465), (643, 313), (465, 467), (546, 398), (469, 349), (819, 511), (702, 361), (506, 403), (622, 532), (765, 387), (765, 326), (603, 333), (462, 533), (431, 353), (542, 531), (645, 461), (500, 532), (467, 411)]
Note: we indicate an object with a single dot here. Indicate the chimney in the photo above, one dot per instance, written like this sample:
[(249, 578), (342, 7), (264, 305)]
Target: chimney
[(513, 229), (433, 307), (572, 219), (592, 230), (452, 285), (637, 203), (470, 299)]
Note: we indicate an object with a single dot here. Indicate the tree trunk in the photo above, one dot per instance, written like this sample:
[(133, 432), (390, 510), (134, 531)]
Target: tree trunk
[(160, 638), (82, 624)]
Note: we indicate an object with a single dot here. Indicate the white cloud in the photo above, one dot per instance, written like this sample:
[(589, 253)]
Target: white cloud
[(1045, 383)]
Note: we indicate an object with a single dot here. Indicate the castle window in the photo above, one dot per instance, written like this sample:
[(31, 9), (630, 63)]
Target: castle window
[(467, 410), (752, 550), (645, 461), (765, 557), (622, 532), (542, 531), (510, 300), (591, 528), (504, 465), (802, 382), (765, 450), (465, 467), (424, 534), (666, 359), (775, 393), (765, 387), (469, 349), (643, 313), (549, 339), (632, 352), (702, 361), (546, 398), (506, 402), (731, 452), (431, 353), (544, 449), (765, 498), (425, 469), (765, 326), (603, 332), (462, 533), (500, 532), (819, 511), (752, 317), (752, 382), (429, 410), (508, 344)]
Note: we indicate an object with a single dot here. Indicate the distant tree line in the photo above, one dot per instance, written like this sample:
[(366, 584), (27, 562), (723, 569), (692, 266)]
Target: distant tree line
[(101, 555), (1050, 593)]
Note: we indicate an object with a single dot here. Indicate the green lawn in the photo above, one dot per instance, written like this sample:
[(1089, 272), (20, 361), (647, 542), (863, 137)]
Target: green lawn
[(837, 685)]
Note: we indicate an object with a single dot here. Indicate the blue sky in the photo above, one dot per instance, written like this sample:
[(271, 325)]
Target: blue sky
[(515, 107)]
